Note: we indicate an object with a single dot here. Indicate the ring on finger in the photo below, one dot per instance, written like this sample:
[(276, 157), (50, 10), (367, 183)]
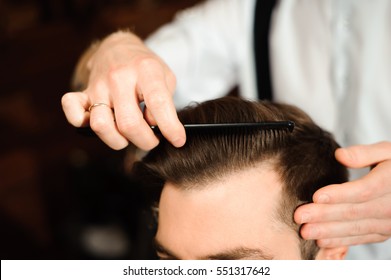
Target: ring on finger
[(97, 105)]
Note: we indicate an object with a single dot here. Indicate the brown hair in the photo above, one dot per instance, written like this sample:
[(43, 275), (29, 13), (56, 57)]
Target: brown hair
[(304, 158)]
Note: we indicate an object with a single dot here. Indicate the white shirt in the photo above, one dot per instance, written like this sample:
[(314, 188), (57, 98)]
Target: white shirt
[(331, 58)]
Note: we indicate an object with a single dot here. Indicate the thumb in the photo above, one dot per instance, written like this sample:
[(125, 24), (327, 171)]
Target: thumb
[(364, 155), (74, 105)]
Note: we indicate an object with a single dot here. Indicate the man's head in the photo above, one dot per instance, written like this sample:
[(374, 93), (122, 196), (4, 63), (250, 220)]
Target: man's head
[(231, 194)]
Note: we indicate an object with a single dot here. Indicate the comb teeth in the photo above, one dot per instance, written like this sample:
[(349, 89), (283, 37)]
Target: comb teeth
[(289, 125), (279, 125)]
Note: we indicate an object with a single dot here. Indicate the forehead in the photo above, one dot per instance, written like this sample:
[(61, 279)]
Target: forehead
[(237, 211)]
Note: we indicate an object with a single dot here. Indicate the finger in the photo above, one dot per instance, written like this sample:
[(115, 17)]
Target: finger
[(129, 117), (149, 117), (102, 123), (152, 85), (373, 185), (351, 241), (345, 229), (74, 105), (364, 155), (315, 213)]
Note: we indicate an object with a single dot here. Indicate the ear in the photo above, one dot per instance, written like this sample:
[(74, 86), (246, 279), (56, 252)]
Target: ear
[(337, 253)]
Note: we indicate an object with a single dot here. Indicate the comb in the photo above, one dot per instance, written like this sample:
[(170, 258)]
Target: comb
[(288, 125), (278, 125)]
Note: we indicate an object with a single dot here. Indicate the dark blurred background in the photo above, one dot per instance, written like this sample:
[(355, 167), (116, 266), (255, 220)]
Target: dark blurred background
[(64, 195)]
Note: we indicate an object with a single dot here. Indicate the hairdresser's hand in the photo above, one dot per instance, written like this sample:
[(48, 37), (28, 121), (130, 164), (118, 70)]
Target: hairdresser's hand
[(123, 73), (356, 212)]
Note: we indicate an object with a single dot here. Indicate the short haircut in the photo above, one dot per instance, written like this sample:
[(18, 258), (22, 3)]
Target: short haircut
[(304, 158)]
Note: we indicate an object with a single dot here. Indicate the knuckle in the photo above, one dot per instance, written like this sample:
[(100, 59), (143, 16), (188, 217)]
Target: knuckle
[(127, 125), (351, 212), (148, 62), (116, 74), (99, 86), (156, 100), (99, 124), (356, 229)]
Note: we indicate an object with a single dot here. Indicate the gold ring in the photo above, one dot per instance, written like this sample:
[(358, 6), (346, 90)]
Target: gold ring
[(96, 105)]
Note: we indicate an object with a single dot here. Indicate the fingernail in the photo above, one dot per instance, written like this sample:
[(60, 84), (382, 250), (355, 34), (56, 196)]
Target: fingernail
[(305, 218), (179, 142), (323, 198)]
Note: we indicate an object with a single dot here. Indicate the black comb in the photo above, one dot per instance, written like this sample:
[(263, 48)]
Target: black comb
[(278, 125), (289, 125)]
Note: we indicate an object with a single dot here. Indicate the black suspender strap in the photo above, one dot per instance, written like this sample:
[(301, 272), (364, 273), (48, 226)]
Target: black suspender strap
[(263, 11)]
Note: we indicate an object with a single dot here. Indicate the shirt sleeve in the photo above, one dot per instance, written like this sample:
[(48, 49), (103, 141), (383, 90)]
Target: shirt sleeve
[(203, 47)]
